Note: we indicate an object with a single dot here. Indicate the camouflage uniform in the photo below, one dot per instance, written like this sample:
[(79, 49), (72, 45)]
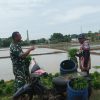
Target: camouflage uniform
[(20, 69)]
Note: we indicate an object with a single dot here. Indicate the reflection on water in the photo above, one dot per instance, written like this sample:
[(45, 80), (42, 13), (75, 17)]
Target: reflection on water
[(91, 46), (51, 63), (36, 51)]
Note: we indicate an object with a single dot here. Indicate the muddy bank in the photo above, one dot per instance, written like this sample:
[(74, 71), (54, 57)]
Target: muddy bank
[(95, 53), (55, 52)]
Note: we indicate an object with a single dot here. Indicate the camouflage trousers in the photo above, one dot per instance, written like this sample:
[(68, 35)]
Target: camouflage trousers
[(22, 76)]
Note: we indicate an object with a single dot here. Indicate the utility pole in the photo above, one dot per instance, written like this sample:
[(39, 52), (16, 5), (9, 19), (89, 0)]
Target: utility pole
[(81, 29), (27, 37)]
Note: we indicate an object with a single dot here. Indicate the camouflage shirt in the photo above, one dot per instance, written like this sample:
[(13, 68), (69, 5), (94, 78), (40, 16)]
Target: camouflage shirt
[(15, 52), (20, 69)]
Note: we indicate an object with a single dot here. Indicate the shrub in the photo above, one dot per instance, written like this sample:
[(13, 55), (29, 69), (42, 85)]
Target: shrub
[(72, 55), (72, 52), (79, 83), (8, 90), (96, 84), (95, 80), (1, 91), (2, 81), (57, 74)]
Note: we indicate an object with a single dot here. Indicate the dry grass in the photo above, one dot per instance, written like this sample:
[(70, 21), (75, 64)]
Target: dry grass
[(95, 95)]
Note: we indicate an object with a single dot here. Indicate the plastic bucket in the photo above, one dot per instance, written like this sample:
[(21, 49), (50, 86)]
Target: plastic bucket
[(76, 94), (59, 84), (67, 66)]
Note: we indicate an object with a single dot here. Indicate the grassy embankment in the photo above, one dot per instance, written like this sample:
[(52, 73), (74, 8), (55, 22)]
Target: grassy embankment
[(6, 88)]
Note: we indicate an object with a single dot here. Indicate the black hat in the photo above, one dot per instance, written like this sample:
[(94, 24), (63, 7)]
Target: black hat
[(81, 36)]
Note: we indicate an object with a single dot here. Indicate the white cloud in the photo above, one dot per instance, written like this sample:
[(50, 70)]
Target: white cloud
[(73, 14), (26, 2), (20, 8), (21, 4), (47, 16), (40, 1), (49, 12)]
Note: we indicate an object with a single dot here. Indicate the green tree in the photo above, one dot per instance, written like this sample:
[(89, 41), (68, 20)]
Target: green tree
[(57, 37), (33, 41), (24, 43), (67, 38), (42, 40), (89, 33), (6, 42), (74, 36), (0, 42)]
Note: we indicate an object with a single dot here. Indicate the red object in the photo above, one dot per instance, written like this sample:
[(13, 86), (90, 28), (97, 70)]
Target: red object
[(40, 72)]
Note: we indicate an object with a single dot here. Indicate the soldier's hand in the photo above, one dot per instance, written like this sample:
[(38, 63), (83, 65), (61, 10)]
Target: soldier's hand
[(32, 48)]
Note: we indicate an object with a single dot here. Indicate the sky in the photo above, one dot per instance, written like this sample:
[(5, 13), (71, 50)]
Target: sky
[(42, 18)]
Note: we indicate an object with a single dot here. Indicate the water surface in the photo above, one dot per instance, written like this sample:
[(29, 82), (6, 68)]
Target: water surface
[(51, 62)]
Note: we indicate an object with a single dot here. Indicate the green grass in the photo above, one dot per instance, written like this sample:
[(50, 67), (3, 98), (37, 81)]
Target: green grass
[(6, 98), (6, 88), (95, 95), (96, 67)]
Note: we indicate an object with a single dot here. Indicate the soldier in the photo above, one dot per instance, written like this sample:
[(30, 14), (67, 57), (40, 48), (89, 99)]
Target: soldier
[(20, 69)]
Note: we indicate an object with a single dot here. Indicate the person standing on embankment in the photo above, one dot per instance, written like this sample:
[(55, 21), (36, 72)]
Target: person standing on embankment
[(20, 69), (84, 54)]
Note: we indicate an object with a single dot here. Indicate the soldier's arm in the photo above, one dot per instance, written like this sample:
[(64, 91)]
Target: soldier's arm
[(24, 54)]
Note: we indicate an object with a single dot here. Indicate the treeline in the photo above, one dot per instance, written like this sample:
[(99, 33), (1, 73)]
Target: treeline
[(54, 38)]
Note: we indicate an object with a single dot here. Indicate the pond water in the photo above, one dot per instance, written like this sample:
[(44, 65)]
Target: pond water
[(50, 62)]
